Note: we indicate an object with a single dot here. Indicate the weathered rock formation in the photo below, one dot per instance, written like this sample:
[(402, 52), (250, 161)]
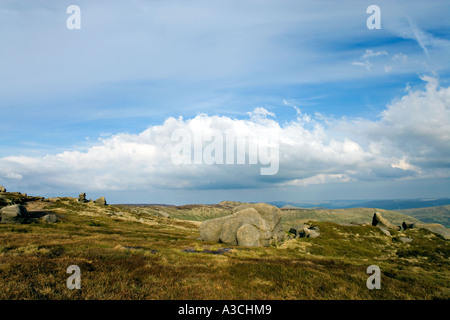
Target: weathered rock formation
[(16, 214), (253, 225), (2, 189), (436, 228), (82, 198), (383, 224), (101, 201), (304, 231)]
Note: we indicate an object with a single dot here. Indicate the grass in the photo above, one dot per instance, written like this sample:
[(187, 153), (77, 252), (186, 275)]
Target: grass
[(440, 214), (136, 255)]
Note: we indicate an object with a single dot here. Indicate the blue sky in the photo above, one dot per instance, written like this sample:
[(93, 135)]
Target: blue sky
[(369, 107)]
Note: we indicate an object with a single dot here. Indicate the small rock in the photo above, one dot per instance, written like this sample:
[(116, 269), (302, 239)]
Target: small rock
[(163, 214), (385, 231), (407, 225), (313, 233), (49, 218), (405, 239)]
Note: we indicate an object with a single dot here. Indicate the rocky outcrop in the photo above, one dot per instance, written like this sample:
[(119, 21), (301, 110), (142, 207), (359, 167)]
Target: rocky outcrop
[(101, 201), (15, 214), (383, 224), (436, 228), (2, 189), (82, 198), (304, 231), (253, 225)]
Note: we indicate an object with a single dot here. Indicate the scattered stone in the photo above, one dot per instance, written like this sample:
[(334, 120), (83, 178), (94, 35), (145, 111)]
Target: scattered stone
[(250, 225), (436, 228), (101, 201), (49, 218), (82, 198), (305, 231), (311, 233), (405, 239), (2, 189), (385, 231), (297, 230), (15, 214), (162, 214)]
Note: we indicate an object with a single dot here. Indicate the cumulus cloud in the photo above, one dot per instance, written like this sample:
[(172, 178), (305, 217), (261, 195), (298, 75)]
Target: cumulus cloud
[(411, 139)]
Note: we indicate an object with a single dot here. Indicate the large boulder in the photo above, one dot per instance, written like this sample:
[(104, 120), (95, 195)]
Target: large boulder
[(250, 225), (16, 214), (2, 189), (381, 222), (271, 214)]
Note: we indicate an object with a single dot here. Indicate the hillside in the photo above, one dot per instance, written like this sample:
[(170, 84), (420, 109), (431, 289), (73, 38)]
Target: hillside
[(393, 204), (129, 252), (440, 214), (347, 216)]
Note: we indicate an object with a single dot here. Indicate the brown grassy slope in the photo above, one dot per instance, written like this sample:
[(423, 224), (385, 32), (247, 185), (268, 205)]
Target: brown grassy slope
[(127, 253)]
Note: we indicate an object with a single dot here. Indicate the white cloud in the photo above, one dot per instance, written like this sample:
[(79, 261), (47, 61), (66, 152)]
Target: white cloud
[(411, 139), (370, 53)]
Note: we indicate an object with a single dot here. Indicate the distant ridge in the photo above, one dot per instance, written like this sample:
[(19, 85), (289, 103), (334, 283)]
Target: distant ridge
[(381, 204)]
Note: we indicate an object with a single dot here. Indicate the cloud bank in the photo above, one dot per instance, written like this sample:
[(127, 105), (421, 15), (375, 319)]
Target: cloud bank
[(409, 140)]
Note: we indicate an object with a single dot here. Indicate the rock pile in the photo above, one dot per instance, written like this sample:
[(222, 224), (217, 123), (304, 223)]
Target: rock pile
[(254, 225), (304, 231)]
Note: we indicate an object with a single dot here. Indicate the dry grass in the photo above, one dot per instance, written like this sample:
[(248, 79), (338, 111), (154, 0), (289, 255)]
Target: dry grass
[(135, 255)]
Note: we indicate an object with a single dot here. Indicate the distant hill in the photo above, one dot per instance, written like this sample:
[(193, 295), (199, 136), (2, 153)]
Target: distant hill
[(350, 215), (439, 214), (399, 204)]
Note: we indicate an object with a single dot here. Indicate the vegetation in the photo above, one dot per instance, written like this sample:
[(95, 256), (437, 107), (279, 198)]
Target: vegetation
[(131, 253), (440, 214)]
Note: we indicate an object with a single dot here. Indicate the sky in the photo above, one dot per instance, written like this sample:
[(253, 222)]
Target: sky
[(352, 112)]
